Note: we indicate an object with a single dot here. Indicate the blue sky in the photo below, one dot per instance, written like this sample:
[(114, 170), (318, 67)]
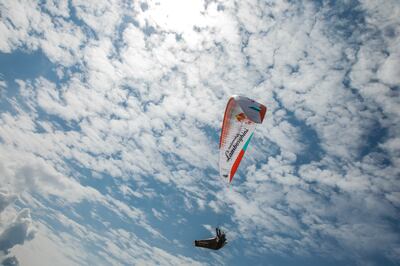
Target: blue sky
[(110, 115)]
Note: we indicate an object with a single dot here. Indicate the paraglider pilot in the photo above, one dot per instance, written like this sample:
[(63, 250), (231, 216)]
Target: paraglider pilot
[(215, 243)]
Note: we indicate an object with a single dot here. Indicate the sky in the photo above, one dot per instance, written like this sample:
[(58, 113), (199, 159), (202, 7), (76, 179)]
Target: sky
[(110, 116)]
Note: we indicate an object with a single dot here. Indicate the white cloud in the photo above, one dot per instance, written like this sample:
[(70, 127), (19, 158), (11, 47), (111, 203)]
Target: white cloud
[(6, 199), (102, 17), (58, 8), (16, 233), (389, 72), (47, 248), (23, 24), (26, 172)]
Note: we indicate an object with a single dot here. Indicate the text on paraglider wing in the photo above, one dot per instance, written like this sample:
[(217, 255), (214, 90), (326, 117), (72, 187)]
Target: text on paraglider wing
[(235, 143)]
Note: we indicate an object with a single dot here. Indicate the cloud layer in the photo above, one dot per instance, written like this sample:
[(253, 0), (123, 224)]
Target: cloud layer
[(111, 144)]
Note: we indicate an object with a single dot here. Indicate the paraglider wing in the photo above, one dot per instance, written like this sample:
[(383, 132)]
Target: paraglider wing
[(241, 117)]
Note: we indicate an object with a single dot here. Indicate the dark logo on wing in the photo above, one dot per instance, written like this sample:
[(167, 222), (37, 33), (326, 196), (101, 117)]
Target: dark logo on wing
[(235, 143)]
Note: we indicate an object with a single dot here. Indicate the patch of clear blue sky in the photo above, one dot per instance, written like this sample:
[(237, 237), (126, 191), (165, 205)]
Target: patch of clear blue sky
[(24, 65), (28, 66)]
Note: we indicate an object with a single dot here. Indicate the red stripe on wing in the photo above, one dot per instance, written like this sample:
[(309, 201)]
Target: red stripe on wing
[(262, 112), (236, 165)]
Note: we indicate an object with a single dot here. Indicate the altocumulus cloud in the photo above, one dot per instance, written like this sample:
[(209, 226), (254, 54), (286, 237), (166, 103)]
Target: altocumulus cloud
[(15, 232), (110, 117)]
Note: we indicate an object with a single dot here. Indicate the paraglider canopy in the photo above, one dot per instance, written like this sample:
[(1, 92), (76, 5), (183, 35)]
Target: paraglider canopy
[(241, 117)]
